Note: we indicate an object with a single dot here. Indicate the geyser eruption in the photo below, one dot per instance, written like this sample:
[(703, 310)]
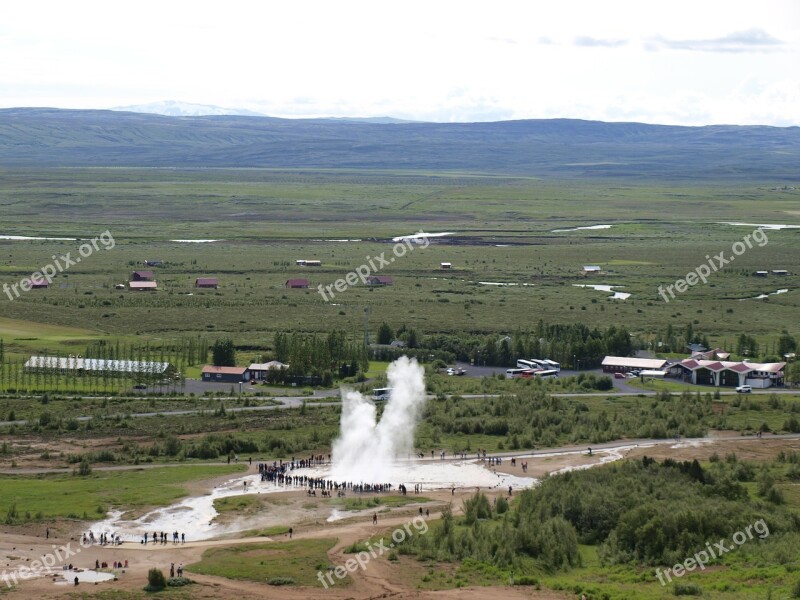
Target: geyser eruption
[(366, 449)]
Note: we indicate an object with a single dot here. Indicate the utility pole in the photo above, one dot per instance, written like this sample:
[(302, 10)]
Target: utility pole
[(366, 326)]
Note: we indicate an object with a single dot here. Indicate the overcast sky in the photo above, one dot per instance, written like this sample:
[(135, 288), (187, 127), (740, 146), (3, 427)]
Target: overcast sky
[(678, 62)]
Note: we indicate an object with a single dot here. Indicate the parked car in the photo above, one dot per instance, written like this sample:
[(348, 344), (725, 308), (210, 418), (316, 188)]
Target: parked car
[(619, 375), (744, 389)]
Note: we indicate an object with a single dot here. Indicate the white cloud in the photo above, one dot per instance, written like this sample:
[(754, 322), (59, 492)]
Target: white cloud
[(751, 40), (513, 59)]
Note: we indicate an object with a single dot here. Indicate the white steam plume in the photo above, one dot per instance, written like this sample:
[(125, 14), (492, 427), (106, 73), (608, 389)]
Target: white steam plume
[(365, 450)]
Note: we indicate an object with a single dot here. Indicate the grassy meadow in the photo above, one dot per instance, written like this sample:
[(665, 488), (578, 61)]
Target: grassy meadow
[(503, 233)]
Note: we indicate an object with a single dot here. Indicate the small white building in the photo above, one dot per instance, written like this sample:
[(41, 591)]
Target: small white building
[(446, 265)]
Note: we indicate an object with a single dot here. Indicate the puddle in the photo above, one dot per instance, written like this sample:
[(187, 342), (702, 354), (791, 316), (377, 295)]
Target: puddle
[(762, 296), (84, 576), (772, 226), (421, 235), (581, 228), (606, 288), (25, 238)]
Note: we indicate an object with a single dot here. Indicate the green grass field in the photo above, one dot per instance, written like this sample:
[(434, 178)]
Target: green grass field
[(503, 232), (300, 560), (71, 496)]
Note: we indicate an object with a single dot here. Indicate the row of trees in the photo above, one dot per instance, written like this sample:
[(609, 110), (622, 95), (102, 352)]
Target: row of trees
[(567, 344), (674, 340), (326, 358)]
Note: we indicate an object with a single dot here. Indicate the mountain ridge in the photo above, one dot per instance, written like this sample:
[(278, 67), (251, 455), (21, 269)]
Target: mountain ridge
[(540, 147)]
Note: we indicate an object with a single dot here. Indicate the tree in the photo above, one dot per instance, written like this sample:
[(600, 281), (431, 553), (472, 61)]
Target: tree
[(224, 354), (155, 580), (786, 344), (385, 334)]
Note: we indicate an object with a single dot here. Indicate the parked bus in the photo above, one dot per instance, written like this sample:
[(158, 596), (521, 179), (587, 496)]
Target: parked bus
[(523, 363), (550, 364), (546, 374), (513, 373), (381, 393)]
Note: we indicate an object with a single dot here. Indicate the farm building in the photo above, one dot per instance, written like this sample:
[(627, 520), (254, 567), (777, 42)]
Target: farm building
[(297, 284), (728, 373), (591, 269), (308, 263), (446, 265), (780, 272), (142, 276), (226, 374), (35, 284), (72, 364), (380, 280), (258, 371), (623, 364), (206, 282), (761, 273), (142, 285)]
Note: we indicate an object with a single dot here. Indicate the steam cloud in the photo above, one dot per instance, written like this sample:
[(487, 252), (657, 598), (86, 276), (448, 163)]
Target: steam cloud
[(366, 449)]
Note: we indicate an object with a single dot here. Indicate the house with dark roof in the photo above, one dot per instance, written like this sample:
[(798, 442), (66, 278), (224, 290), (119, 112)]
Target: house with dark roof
[(225, 374), (142, 276), (297, 284), (380, 280), (206, 282)]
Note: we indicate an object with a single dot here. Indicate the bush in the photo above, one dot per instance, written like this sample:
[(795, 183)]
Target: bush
[(526, 580), (178, 581), (280, 581), (84, 468), (687, 589), (155, 581)]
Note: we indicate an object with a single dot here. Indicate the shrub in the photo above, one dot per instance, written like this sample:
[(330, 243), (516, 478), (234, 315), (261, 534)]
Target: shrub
[(526, 580), (155, 580), (687, 589), (178, 581), (280, 581)]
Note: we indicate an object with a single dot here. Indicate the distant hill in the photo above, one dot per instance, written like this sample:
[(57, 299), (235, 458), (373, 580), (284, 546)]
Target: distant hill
[(551, 147)]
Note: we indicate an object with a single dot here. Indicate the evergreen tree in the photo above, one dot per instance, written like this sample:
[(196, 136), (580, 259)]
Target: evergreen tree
[(224, 353)]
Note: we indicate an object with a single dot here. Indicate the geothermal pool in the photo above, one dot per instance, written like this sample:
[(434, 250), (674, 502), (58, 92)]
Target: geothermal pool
[(195, 515)]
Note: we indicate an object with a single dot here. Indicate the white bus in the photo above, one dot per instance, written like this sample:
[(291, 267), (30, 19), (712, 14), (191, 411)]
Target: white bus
[(550, 364), (381, 393), (532, 363), (512, 373), (548, 374)]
